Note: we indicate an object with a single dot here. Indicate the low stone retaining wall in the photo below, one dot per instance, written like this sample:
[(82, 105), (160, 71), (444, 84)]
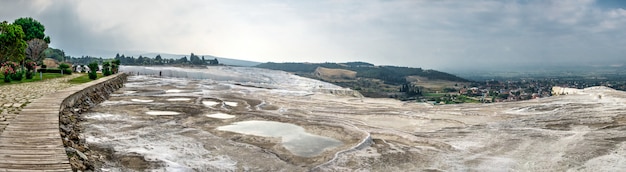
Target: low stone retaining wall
[(342, 92), (80, 99)]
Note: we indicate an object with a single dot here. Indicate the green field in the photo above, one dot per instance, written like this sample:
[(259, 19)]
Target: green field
[(83, 79), (36, 77)]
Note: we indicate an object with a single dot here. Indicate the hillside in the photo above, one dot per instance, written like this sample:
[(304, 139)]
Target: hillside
[(372, 80), (388, 74)]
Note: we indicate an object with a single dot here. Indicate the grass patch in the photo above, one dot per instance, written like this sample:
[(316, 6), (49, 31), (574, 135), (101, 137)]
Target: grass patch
[(84, 78), (36, 78), (434, 94)]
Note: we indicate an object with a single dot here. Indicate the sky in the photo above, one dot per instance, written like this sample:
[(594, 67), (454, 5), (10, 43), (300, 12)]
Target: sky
[(433, 34)]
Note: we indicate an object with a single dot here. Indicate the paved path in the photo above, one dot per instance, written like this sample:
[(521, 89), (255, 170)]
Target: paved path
[(14, 97), (32, 140), (29, 135)]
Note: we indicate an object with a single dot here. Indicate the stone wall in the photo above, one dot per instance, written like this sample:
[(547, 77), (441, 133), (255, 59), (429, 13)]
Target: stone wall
[(86, 96), (341, 92)]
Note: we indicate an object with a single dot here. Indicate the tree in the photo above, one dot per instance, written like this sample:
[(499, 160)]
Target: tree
[(93, 68), (115, 65), (12, 42), (106, 70), (56, 54), (32, 29), (35, 49), (195, 59), (182, 60), (158, 59)]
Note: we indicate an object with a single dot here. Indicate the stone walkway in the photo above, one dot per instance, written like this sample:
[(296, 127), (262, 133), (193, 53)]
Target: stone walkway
[(16, 96)]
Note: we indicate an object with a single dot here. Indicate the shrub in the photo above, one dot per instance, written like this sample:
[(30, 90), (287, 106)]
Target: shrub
[(92, 75), (93, 68), (106, 70), (7, 71), (64, 66), (17, 76), (30, 65), (114, 68), (43, 66), (29, 74), (66, 71)]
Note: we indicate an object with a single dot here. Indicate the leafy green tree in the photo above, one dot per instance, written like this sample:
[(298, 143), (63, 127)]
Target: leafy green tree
[(32, 29), (106, 70), (410, 90), (158, 59), (12, 42)]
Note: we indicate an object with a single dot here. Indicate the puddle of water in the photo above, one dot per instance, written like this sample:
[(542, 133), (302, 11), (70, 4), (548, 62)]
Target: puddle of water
[(129, 92), (233, 104), (141, 100), (294, 138), (209, 103), (155, 112), (173, 91), (179, 99), (220, 116)]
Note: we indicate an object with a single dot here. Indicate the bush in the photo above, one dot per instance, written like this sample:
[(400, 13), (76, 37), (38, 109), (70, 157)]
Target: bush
[(93, 68), (29, 74), (106, 72), (64, 66), (17, 76), (30, 65), (114, 68), (93, 75), (43, 66), (66, 71)]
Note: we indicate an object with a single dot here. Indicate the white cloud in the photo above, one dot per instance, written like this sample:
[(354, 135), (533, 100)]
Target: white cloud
[(431, 34)]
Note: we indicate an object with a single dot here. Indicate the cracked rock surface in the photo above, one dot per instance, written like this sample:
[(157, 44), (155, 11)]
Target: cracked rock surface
[(584, 131)]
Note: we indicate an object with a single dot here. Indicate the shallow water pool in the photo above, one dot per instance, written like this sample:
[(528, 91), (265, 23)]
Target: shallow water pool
[(294, 138)]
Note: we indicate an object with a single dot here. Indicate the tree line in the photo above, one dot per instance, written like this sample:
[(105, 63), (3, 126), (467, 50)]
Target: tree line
[(159, 60)]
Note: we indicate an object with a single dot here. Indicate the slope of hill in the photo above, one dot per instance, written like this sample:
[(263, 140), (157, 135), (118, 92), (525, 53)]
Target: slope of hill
[(372, 80), (388, 74)]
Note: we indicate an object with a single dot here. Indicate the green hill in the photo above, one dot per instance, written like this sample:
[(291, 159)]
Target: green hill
[(403, 83), (389, 74)]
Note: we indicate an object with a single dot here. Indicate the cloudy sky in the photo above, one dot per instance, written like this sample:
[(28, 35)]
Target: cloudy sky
[(437, 34)]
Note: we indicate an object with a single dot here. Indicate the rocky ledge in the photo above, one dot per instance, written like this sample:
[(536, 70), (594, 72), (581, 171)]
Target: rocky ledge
[(80, 156)]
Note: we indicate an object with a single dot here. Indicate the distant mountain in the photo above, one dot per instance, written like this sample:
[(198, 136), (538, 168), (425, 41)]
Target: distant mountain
[(389, 74), (222, 60)]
